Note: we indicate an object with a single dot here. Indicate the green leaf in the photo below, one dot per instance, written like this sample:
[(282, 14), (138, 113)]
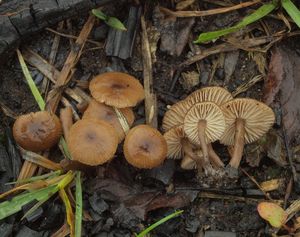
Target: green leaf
[(98, 13), (163, 220), (292, 10), (35, 178), (272, 213), (78, 213), (34, 90), (115, 23), (255, 16)]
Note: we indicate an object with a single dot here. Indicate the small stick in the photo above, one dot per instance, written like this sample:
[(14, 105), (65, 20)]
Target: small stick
[(66, 120), (150, 97), (208, 12), (66, 103)]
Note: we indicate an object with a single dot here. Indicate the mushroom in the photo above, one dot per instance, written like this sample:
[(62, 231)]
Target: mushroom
[(215, 94), (37, 131), (104, 112), (92, 142), (175, 115), (246, 121), (204, 123), (145, 147), (117, 89)]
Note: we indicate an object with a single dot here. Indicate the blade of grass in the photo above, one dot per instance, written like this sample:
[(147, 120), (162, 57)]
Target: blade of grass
[(163, 220), (78, 213), (292, 10), (109, 20), (70, 215), (255, 16), (34, 90)]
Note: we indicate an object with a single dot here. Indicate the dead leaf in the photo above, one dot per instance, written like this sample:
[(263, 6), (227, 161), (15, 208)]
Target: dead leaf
[(272, 213), (189, 80), (184, 4), (284, 77)]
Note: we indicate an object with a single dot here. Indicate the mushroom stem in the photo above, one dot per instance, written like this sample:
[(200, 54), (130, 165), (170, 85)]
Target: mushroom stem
[(187, 163), (203, 145), (217, 162), (239, 141), (66, 120), (188, 150)]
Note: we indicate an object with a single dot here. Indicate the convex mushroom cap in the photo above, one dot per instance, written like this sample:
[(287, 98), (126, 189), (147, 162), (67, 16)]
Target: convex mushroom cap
[(145, 147), (104, 112), (117, 89), (37, 131), (92, 142), (258, 119)]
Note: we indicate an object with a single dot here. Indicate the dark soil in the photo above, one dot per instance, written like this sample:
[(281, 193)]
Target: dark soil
[(223, 209)]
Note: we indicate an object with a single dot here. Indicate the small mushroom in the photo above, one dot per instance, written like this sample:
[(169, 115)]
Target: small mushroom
[(104, 112), (204, 123), (145, 147), (37, 131), (246, 121), (175, 115), (215, 94), (117, 89), (92, 142)]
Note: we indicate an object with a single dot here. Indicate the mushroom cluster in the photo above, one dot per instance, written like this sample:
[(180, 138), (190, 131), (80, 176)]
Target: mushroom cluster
[(210, 114)]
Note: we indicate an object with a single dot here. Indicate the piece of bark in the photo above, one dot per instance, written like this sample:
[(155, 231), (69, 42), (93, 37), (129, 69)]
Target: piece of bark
[(20, 19)]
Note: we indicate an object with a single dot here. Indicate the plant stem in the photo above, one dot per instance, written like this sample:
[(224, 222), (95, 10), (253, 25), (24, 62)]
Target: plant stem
[(239, 141)]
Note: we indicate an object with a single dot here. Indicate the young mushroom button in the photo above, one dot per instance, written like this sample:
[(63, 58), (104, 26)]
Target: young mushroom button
[(37, 131), (246, 121), (117, 89), (145, 147), (92, 142), (104, 112)]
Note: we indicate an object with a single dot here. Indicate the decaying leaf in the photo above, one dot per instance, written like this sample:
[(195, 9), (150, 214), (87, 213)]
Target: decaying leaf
[(189, 80), (283, 77), (272, 213), (272, 184)]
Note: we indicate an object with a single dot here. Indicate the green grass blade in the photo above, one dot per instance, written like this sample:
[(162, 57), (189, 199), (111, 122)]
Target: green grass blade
[(292, 10), (14, 205), (78, 213), (34, 90), (255, 16), (109, 20), (163, 220), (100, 14), (35, 178)]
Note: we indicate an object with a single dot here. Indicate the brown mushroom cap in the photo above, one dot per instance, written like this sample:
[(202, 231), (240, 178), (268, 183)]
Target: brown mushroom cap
[(92, 142), (37, 131), (215, 94), (117, 89), (145, 147), (175, 115), (215, 122), (104, 112), (258, 119), (174, 138)]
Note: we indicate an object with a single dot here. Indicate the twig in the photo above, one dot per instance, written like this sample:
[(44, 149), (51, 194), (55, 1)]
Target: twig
[(66, 120), (245, 86), (74, 37), (150, 97), (267, 195), (73, 57), (208, 12)]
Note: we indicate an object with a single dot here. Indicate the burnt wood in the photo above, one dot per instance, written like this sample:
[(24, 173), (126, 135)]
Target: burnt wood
[(19, 19)]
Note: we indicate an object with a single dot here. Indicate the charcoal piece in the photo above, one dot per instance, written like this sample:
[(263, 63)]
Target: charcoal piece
[(219, 234), (192, 224), (98, 204), (35, 215), (53, 218), (13, 154), (5, 170), (163, 173), (120, 43), (5, 229), (26, 232)]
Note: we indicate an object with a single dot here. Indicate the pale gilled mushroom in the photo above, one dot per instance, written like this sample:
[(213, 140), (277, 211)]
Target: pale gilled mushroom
[(204, 123), (104, 112), (92, 142), (37, 131), (117, 89), (145, 147), (246, 121)]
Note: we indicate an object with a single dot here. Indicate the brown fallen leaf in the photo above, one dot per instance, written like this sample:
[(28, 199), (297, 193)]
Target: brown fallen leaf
[(283, 80)]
